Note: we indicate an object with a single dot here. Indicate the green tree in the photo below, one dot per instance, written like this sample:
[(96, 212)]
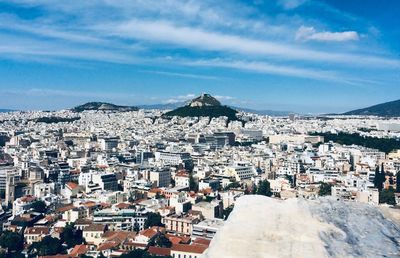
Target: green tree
[(377, 181), (39, 206), (48, 246), (264, 188), (325, 189), (193, 185), (387, 196), (398, 182), (71, 237), (382, 175), (11, 241), (137, 253), (227, 212), (162, 241), (153, 219)]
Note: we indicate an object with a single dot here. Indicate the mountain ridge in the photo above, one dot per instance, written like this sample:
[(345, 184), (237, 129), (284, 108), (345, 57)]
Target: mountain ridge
[(386, 109), (204, 106), (103, 106)]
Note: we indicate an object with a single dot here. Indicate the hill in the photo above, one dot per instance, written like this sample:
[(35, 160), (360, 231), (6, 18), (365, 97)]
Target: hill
[(175, 105), (102, 106), (388, 109), (167, 106), (206, 106), (6, 110)]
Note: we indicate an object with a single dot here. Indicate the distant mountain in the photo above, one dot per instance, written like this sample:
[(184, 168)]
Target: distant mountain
[(204, 105), (388, 109), (103, 106), (175, 105), (167, 106), (6, 110), (264, 112)]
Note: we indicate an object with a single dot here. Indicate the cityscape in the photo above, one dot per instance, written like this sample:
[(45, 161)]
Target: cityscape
[(199, 129)]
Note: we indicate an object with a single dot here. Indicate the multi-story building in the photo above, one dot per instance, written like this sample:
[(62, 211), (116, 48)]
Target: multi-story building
[(160, 177), (207, 228), (8, 177), (241, 171), (125, 219), (180, 224)]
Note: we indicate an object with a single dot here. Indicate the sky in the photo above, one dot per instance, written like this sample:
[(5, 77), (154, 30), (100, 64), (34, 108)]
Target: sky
[(303, 56)]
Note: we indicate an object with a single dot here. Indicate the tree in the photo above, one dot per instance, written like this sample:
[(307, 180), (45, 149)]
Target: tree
[(11, 241), (387, 196), (227, 212), (137, 253), (153, 219), (325, 189), (193, 185), (264, 188), (48, 246), (398, 182), (162, 241), (39, 206), (71, 237), (377, 179), (382, 175)]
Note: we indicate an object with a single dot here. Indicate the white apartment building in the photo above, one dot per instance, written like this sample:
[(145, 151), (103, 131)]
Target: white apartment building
[(241, 171)]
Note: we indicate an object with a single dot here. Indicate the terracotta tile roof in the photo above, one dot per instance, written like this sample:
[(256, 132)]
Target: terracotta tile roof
[(150, 233), (72, 185), (118, 236), (159, 251), (37, 231), (197, 249), (65, 208), (202, 241), (78, 250), (178, 239), (89, 204), (83, 222), (155, 190), (28, 198), (107, 245), (95, 227)]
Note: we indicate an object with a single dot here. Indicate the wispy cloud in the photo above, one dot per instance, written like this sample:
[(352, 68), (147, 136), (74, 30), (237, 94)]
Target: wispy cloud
[(229, 35), (179, 98), (184, 75), (309, 33), (271, 69), (291, 4), (162, 32)]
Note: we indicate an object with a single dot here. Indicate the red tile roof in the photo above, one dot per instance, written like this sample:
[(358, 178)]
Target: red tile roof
[(161, 251), (78, 250), (197, 249)]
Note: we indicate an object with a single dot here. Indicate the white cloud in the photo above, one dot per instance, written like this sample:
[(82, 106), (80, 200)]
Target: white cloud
[(184, 75), (268, 68), (180, 98), (164, 32), (224, 98), (309, 34), (291, 4)]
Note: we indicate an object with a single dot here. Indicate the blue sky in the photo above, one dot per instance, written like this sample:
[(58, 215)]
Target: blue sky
[(298, 55)]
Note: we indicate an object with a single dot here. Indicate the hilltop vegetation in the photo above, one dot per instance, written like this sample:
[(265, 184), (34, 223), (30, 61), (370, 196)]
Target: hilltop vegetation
[(204, 106), (102, 106), (383, 144)]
